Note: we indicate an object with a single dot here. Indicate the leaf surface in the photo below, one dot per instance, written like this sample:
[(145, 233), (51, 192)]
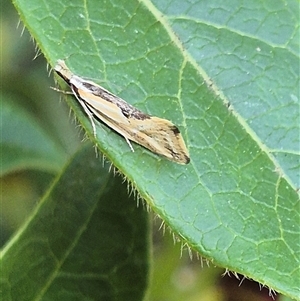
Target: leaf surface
[(228, 76)]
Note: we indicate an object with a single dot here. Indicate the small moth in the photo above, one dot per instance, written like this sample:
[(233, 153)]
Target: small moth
[(156, 134)]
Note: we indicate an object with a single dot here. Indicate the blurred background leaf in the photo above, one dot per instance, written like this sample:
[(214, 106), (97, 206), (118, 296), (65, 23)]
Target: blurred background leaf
[(79, 246)]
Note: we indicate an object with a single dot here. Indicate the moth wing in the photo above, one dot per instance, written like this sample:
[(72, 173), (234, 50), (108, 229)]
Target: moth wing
[(160, 136)]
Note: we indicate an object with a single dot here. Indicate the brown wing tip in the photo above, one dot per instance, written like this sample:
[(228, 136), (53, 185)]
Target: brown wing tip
[(183, 159), (187, 160), (180, 156)]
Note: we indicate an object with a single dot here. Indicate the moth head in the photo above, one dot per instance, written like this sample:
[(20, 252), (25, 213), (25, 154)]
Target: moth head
[(63, 71)]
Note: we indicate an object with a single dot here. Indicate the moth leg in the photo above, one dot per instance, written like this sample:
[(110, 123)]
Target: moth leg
[(89, 114), (93, 126), (61, 91), (128, 142)]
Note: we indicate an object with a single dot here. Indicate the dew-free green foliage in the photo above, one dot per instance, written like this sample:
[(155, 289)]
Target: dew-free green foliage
[(24, 143), (228, 75), (81, 243)]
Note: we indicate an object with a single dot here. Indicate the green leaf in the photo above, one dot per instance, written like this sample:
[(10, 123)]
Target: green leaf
[(228, 76), (83, 242), (24, 144)]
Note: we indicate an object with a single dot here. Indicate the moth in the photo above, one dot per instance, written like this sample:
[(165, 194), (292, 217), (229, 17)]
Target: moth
[(158, 135)]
